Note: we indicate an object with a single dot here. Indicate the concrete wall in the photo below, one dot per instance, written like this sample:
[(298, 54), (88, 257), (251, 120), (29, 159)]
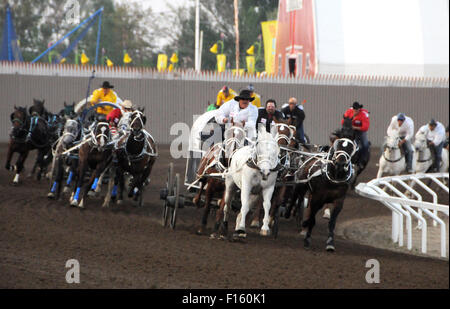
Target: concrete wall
[(169, 100)]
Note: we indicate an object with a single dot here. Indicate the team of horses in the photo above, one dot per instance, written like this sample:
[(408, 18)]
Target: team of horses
[(80, 155)]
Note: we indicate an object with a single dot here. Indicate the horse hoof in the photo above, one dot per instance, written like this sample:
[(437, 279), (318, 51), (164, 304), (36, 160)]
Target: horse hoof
[(119, 202), (307, 243), (240, 234), (214, 236), (74, 203), (264, 233), (326, 214), (51, 195), (201, 230), (330, 245), (254, 224), (66, 189), (91, 193)]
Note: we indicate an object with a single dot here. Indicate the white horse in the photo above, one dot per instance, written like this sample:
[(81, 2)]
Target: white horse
[(253, 169), (392, 161), (423, 157)]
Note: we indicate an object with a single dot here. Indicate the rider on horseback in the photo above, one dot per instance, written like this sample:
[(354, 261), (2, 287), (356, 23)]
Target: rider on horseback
[(403, 127), (360, 124), (435, 134)]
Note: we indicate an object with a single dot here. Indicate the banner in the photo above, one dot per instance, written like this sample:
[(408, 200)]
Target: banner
[(269, 31), (250, 64), (221, 62), (162, 62)]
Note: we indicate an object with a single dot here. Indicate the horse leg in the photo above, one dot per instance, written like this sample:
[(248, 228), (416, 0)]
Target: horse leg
[(257, 214), (197, 197), (19, 165), (9, 156), (332, 224), (82, 169), (55, 190), (107, 200), (315, 206), (121, 180), (208, 194), (267, 195), (239, 231)]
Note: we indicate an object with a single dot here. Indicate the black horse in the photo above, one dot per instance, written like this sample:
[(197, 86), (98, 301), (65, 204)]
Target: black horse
[(327, 180), (136, 154), (28, 133), (360, 161)]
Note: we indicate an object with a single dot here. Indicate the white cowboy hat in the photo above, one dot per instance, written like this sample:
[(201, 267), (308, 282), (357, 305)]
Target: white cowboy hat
[(126, 104)]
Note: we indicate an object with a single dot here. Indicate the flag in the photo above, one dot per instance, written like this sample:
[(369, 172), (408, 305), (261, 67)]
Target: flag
[(214, 48), (84, 58), (162, 62), (251, 50), (127, 58), (269, 31), (174, 58), (250, 64), (221, 62), (241, 72), (170, 69), (62, 60), (109, 62)]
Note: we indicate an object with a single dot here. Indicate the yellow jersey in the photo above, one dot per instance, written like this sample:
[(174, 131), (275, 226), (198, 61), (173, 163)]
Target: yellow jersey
[(99, 96), (221, 98)]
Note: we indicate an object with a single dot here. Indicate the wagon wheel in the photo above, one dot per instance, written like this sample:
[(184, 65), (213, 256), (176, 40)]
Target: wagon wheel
[(176, 191), (169, 186)]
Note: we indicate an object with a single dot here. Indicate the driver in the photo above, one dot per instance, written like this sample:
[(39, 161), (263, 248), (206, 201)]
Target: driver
[(114, 116), (241, 110), (104, 94)]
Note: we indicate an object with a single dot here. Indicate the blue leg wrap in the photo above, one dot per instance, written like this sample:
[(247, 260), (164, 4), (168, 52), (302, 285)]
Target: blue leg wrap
[(77, 194), (94, 185), (69, 178), (53, 189), (114, 191)]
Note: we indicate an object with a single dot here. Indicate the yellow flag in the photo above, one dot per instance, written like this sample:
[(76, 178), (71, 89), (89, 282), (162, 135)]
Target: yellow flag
[(109, 63), (170, 69), (250, 64), (251, 50), (84, 58), (174, 58), (127, 58), (162, 62), (269, 32), (62, 60), (241, 72), (214, 48), (221, 62)]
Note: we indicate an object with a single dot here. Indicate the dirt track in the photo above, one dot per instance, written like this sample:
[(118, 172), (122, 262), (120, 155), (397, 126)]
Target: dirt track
[(126, 247)]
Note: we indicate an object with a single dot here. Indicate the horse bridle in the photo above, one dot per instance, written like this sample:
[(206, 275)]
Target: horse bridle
[(392, 148), (256, 159), (95, 137), (422, 150)]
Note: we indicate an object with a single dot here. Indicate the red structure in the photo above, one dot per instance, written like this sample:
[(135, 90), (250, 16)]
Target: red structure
[(296, 41)]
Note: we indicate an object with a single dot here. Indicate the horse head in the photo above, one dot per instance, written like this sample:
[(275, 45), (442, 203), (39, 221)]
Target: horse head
[(267, 152), (420, 142), (137, 121), (71, 131), (101, 135), (391, 144), (234, 137), (19, 119), (341, 155), (285, 133), (37, 108), (68, 112)]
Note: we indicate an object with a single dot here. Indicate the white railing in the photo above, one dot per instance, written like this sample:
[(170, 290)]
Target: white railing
[(410, 203), (45, 69)]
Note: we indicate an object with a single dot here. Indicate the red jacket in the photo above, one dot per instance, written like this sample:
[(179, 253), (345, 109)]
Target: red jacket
[(361, 120), (114, 115)]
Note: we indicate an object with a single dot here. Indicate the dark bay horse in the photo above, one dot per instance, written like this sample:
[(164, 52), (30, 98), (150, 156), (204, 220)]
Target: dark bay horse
[(136, 153), (27, 133), (95, 153), (327, 180)]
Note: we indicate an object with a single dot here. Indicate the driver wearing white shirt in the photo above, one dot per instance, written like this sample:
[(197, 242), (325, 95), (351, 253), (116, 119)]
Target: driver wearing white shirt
[(240, 110), (403, 127)]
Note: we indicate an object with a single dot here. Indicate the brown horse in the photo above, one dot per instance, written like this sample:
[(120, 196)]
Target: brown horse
[(327, 180), (217, 160), (136, 154), (95, 153), (27, 133)]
